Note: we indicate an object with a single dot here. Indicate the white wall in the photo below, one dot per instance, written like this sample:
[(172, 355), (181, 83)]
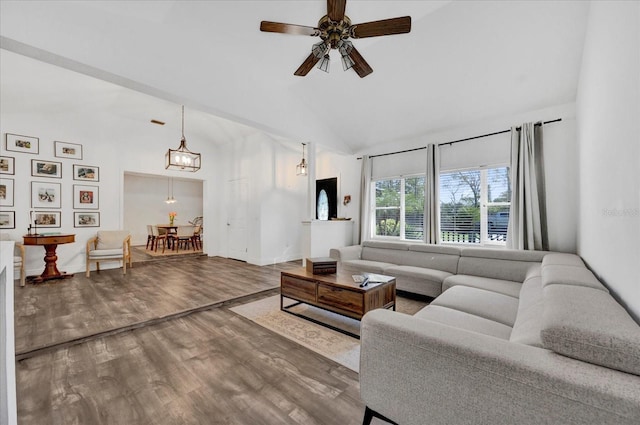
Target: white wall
[(115, 136), (608, 114), (561, 165)]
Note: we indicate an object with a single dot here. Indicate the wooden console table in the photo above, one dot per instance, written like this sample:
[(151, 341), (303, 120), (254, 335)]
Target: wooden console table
[(50, 243)]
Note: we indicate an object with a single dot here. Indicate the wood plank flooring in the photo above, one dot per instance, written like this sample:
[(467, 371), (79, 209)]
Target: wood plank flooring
[(209, 367)]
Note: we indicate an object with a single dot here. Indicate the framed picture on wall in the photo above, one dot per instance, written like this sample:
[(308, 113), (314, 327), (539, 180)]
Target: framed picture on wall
[(86, 219), (47, 218), (40, 168), (25, 144), (7, 165), (85, 197), (45, 195), (86, 172), (7, 219), (67, 150), (6, 192)]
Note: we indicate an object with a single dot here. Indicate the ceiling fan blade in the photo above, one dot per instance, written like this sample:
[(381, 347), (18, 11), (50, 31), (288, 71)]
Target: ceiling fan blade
[(361, 67), (307, 65), (335, 9), (391, 26), (268, 26)]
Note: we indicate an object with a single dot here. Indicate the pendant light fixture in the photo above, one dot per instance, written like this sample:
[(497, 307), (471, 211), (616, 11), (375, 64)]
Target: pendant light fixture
[(182, 159), (301, 169), (170, 198)]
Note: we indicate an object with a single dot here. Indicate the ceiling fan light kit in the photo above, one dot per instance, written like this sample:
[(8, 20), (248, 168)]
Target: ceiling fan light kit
[(335, 29)]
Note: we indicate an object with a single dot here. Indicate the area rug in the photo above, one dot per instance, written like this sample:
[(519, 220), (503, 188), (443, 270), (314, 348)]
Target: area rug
[(331, 344)]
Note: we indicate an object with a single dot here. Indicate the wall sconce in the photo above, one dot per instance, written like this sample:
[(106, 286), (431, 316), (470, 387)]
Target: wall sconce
[(347, 199)]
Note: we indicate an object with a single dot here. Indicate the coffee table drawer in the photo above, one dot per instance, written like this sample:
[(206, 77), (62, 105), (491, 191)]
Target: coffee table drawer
[(299, 289), (340, 298)]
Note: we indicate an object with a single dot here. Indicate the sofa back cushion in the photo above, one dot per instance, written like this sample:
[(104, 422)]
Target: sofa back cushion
[(568, 269), (444, 258), (503, 264), (386, 252), (111, 239), (589, 325)]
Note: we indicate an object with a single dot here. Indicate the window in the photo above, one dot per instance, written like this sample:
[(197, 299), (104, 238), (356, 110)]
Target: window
[(399, 208), (474, 205)]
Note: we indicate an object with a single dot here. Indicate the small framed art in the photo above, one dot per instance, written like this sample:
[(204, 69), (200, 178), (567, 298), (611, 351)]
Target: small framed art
[(86, 172), (47, 218), (86, 219), (68, 150), (6, 192), (7, 219), (40, 168), (7, 165), (85, 197), (25, 144), (45, 195)]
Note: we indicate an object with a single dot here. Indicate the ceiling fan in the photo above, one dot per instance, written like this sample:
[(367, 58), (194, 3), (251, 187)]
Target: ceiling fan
[(335, 30)]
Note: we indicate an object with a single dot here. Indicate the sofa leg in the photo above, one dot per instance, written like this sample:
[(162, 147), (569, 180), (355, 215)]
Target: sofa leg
[(369, 414)]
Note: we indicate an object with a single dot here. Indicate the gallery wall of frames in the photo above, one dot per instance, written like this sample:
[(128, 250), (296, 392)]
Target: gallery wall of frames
[(47, 184)]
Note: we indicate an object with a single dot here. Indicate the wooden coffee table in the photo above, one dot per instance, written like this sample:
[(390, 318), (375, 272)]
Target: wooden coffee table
[(337, 293)]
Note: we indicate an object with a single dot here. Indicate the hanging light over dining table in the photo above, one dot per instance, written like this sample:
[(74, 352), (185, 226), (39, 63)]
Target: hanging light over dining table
[(182, 159)]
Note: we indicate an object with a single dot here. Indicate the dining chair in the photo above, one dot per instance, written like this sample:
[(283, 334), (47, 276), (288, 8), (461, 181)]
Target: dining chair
[(184, 236), (157, 237), (150, 236), (196, 240), (18, 256)]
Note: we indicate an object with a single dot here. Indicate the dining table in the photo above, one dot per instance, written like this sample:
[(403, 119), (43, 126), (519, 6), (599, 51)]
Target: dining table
[(169, 229)]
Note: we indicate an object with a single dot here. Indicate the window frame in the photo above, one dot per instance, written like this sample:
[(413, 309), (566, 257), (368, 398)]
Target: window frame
[(484, 205), (373, 208)]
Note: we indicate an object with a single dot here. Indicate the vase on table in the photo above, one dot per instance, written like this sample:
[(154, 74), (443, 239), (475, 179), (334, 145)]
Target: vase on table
[(171, 222)]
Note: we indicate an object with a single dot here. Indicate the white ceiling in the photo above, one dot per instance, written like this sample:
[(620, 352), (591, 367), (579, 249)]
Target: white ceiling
[(463, 61)]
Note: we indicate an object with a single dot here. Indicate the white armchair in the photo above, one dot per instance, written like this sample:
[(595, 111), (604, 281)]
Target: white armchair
[(109, 245), (18, 256)]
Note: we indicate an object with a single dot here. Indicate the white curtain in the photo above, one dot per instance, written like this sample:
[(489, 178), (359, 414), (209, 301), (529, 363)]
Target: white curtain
[(527, 217), (365, 199), (431, 198)]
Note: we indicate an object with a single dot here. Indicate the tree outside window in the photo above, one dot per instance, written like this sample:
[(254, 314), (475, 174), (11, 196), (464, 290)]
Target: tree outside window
[(399, 208), (474, 205)]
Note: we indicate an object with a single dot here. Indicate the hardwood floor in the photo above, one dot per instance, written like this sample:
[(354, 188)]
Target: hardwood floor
[(207, 367)]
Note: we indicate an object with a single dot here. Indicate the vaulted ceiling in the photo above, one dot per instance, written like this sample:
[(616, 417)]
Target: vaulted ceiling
[(462, 62)]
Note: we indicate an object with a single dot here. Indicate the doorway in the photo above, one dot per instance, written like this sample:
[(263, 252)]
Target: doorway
[(237, 205)]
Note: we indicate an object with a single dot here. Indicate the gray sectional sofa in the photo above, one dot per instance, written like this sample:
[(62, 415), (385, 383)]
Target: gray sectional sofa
[(512, 337)]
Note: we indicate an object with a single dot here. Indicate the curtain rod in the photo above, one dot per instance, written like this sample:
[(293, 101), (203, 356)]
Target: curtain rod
[(461, 140)]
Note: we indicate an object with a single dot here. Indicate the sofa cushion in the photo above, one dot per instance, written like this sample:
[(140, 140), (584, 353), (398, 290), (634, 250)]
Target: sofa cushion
[(417, 272), (432, 257), (570, 275), (526, 329), (500, 286), (104, 253), (480, 302), (384, 251), (463, 320), (359, 266), (562, 259), (505, 254), (417, 280), (111, 239), (588, 324)]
